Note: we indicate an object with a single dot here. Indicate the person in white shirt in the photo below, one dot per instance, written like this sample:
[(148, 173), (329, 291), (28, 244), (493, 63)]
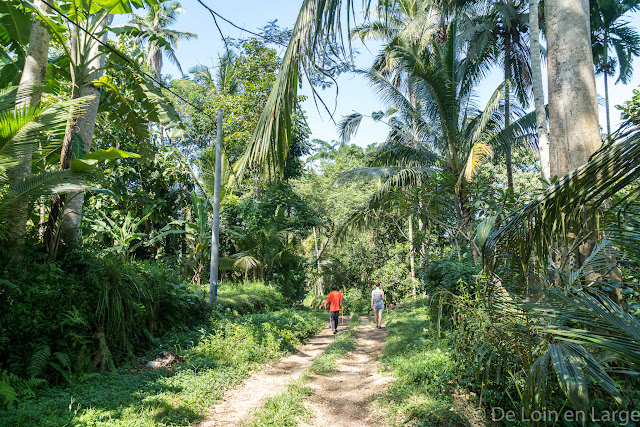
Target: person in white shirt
[(377, 304)]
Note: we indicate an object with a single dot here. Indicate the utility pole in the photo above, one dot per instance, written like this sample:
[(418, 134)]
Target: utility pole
[(215, 227)]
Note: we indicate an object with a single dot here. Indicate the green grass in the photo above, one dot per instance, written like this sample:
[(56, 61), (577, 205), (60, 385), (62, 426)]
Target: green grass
[(287, 409), (217, 356), (423, 369)]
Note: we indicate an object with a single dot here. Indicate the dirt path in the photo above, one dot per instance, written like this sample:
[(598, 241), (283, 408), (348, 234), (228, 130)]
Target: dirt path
[(240, 402), (344, 397)]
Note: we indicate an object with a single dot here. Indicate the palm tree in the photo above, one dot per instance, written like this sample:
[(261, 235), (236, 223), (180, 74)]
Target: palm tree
[(441, 127), (538, 92), (23, 130), (500, 36), (155, 25), (225, 81), (609, 31)]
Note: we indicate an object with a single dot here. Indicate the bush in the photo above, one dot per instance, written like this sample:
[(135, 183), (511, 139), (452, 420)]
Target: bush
[(355, 302), (88, 309), (314, 301), (447, 274), (249, 297)]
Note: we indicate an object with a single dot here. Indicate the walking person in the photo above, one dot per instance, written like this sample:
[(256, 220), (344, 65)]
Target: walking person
[(335, 299), (377, 304)]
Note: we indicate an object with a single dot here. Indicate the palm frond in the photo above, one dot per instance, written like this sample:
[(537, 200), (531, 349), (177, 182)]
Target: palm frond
[(560, 211), (478, 153), (590, 320)]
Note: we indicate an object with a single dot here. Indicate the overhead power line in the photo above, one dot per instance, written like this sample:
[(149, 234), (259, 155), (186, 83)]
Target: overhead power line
[(215, 14)]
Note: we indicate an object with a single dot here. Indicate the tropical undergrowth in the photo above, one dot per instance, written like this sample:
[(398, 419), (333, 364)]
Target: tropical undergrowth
[(89, 311), (212, 357), (504, 357)]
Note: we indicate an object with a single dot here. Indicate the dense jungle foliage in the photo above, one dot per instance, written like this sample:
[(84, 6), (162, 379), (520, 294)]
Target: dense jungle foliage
[(514, 277)]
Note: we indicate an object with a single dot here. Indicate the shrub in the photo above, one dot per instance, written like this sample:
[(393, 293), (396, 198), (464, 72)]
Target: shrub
[(96, 310), (249, 297), (355, 302), (447, 274)]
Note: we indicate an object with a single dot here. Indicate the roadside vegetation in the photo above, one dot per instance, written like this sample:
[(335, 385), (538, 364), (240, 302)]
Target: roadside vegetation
[(199, 364)]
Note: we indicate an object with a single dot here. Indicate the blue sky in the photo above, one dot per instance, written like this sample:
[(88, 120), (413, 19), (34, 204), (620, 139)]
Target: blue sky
[(353, 92)]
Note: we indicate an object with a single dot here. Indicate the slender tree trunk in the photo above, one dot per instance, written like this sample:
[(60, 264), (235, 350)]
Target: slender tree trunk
[(29, 92), (606, 82), (412, 258), (315, 241), (538, 92), (465, 214), (507, 111)]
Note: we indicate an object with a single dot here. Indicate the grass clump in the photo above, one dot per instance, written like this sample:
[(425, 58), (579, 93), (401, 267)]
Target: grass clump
[(423, 369), (286, 409)]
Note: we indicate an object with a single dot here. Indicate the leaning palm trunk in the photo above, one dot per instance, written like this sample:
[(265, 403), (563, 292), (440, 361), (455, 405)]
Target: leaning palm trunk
[(82, 127), (28, 95), (538, 93)]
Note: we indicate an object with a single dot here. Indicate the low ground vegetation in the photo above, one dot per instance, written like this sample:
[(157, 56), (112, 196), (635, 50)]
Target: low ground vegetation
[(213, 355), (424, 371)]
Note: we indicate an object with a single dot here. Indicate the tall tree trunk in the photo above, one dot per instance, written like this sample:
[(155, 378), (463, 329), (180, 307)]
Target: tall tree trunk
[(573, 103), (538, 92), (507, 111), (606, 81), (465, 216), (83, 126), (412, 258), (29, 92)]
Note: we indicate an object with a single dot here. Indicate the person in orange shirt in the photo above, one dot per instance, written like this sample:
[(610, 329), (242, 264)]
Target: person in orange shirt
[(334, 298)]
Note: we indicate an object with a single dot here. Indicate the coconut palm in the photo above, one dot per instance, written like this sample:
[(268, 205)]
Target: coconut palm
[(439, 125), (501, 36), (160, 39), (224, 81), (610, 31)]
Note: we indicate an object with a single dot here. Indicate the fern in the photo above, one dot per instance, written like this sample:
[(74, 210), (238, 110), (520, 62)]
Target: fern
[(39, 361), (8, 394), (64, 359), (12, 387)]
